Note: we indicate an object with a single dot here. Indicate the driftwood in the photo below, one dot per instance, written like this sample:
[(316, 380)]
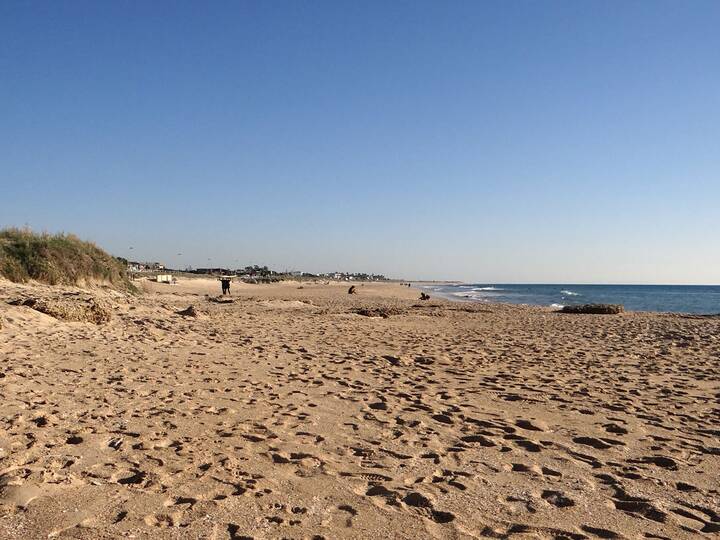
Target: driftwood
[(597, 309)]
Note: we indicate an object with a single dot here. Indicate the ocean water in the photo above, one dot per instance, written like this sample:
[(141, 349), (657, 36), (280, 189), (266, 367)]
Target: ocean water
[(704, 299)]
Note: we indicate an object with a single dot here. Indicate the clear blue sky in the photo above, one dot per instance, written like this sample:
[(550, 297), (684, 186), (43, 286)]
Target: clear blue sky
[(485, 141)]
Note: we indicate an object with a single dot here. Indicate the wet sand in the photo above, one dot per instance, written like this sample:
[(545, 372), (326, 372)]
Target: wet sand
[(286, 414)]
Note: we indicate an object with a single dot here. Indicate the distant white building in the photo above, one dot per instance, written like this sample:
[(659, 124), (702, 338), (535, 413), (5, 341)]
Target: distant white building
[(134, 266)]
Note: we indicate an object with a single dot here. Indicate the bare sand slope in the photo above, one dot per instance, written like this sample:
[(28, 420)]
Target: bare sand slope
[(285, 414)]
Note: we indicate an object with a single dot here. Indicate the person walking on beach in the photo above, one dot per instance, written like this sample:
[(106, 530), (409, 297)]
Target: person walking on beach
[(225, 282)]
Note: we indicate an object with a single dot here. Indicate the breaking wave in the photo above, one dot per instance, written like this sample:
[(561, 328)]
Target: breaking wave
[(487, 289)]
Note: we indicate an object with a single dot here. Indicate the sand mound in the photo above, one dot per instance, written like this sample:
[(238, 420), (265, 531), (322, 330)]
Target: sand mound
[(220, 299), (190, 311), (285, 304), (378, 311), (85, 309)]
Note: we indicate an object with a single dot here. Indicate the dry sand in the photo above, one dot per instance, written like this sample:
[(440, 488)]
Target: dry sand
[(286, 415)]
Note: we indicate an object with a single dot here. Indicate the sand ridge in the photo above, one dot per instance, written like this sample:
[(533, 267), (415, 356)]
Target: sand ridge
[(286, 414)]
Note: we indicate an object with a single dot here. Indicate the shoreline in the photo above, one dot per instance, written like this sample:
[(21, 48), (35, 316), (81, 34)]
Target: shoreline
[(488, 300)]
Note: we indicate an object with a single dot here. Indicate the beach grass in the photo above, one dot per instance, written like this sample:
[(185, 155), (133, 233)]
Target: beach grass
[(58, 259)]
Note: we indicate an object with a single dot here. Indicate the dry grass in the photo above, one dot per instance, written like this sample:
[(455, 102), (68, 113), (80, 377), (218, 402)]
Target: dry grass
[(58, 259)]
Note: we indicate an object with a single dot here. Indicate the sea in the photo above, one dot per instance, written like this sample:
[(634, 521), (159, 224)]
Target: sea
[(697, 299)]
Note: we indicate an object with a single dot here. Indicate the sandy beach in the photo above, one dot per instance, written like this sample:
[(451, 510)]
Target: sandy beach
[(287, 414)]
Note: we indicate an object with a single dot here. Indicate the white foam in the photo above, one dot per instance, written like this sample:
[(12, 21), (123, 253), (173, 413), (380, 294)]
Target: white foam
[(487, 289), (569, 293)]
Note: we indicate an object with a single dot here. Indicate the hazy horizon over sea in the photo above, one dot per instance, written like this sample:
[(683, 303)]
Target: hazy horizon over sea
[(698, 299)]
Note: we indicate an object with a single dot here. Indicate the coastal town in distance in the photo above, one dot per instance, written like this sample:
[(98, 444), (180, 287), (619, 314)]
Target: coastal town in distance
[(249, 274)]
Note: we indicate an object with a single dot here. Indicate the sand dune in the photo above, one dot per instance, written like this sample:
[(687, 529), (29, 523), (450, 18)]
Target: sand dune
[(286, 414)]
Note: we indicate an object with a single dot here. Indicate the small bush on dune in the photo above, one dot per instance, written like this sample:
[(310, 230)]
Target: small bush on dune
[(58, 259)]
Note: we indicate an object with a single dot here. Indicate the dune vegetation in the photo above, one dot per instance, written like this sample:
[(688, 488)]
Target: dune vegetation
[(58, 259)]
